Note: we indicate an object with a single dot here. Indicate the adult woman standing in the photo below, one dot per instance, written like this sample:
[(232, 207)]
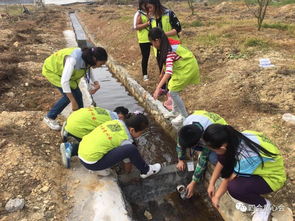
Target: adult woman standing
[(64, 69), (142, 25), (250, 164)]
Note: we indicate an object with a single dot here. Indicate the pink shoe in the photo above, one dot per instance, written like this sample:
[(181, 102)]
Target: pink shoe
[(169, 103)]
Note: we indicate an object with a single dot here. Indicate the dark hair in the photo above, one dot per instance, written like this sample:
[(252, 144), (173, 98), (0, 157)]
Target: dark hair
[(140, 3), (137, 121), (91, 55), (189, 136), (165, 47), (216, 135), (159, 8), (122, 110)]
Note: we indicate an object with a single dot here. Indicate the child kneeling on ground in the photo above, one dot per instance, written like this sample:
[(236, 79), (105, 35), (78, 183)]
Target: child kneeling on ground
[(112, 142)]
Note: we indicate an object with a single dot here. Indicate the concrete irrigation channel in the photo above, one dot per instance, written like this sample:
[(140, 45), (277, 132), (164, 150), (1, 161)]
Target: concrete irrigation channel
[(156, 197)]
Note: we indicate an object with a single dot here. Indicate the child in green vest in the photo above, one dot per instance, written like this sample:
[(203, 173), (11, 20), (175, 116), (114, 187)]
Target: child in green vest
[(250, 165), (142, 25), (180, 66), (81, 123), (112, 142), (64, 69), (190, 138), (165, 19)]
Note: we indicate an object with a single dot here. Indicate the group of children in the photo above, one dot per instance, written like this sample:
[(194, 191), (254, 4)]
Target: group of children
[(249, 163)]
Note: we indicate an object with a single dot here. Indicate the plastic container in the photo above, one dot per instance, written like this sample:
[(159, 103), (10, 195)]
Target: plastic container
[(182, 191), (289, 118)]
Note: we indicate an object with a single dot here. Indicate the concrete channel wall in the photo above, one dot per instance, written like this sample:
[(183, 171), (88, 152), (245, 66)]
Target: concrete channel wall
[(156, 109)]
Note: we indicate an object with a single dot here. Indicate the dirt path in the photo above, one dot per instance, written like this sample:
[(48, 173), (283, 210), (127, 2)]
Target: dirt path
[(30, 163)]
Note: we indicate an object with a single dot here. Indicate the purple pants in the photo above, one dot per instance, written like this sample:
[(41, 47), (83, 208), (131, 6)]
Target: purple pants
[(248, 189)]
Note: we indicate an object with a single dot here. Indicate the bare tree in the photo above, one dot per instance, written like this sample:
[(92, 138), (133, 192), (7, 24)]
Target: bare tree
[(258, 11), (191, 6)]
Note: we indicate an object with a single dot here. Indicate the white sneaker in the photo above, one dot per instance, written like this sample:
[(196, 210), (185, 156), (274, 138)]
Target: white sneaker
[(177, 121), (63, 133), (145, 78), (262, 214), (170, 114), (105, 172), (53, 124), (154, 169)]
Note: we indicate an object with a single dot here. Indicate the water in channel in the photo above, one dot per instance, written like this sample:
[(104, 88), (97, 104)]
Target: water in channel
[(155, 146)]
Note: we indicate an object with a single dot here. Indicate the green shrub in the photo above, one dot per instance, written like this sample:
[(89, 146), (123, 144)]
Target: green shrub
[(278, 26), (254, 42)]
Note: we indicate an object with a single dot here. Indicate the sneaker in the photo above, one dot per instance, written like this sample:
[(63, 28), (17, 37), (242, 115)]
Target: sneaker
[(66, 153), (145, 78), (63, 132), (154, 169), (177, 121), (53, 124), (105, 172), (262, 213)]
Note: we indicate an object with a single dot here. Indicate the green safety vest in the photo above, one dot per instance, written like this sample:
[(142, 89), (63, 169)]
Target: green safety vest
[(143, 34), (273, 172), (81, 122), (101, 140), (54, 65), (166, 26), (213, 117), (185, 70)]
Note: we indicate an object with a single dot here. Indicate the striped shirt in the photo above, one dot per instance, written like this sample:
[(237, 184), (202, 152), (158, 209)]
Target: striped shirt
[(171, 58)]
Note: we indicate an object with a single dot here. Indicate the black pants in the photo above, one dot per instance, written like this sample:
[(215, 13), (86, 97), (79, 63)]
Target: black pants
[(145, 49)]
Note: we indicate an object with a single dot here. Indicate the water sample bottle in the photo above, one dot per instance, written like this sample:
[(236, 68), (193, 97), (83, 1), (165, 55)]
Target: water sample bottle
[(289, 118), (182, 191)]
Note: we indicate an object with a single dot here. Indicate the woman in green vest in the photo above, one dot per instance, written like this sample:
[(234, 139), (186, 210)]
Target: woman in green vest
[(112, 142), (64, 69), (180, 65), (250, 165), (142, 25)]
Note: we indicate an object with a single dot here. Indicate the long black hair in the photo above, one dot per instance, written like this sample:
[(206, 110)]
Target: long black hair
[(91, 55), (159, 8), (216, 135), (137, 121), (140, 3), (165, 47)]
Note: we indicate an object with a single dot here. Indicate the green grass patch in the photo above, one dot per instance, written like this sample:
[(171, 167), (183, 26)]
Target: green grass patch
[(237, 56), (208, 39), (255, 42), (282, 2), (192, 24), (278, 26)]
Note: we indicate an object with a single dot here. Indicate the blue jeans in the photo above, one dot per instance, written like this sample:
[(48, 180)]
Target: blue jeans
[(64, 101), (118, 154)]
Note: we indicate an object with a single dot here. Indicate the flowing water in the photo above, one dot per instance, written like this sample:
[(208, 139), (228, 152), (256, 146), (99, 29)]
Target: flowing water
[(149, 199)]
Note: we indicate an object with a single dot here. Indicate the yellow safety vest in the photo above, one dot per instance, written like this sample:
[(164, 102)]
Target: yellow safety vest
[(54, 65), (102, 139)]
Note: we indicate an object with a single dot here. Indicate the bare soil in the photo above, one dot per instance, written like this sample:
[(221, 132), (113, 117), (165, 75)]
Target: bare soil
[(226, 44)]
